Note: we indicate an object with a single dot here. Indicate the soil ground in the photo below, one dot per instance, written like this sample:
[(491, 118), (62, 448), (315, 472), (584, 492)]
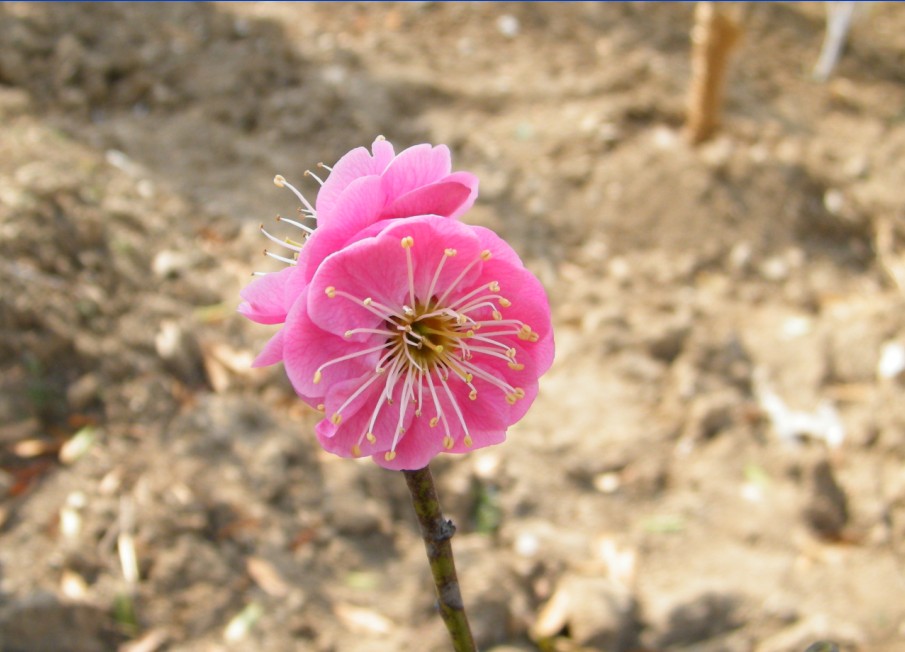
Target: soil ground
[(715, 462)]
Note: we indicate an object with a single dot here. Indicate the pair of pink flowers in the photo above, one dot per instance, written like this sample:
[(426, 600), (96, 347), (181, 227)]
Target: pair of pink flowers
[(412, 331)]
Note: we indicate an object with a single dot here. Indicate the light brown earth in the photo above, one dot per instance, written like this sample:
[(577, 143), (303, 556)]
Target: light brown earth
[(657, 496)]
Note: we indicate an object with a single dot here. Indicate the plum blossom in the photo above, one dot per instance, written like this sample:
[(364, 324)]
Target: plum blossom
[(414, 334)]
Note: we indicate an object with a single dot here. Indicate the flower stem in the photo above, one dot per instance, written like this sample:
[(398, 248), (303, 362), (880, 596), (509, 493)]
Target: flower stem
[(437, 532)]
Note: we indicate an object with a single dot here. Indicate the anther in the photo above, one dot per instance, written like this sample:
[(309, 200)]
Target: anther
[(321, 407), (433, 422), (318, 377), (356, 450), (279, 181), (336, 419), (494, 286), (390, 456), (371, 437), (468, 441), (407, 242), (330, 291), (309, 173), (473, 395), (505, 302), (448, 442), (486, 255)]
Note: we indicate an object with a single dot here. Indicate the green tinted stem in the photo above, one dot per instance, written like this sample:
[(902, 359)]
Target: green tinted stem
[(437, 532)]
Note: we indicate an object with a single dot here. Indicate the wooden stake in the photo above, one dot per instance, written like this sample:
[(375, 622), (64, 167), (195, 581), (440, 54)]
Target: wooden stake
[(717, 29)]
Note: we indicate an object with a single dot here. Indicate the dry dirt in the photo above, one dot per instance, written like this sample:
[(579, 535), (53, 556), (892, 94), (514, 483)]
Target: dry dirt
[(715, 462)]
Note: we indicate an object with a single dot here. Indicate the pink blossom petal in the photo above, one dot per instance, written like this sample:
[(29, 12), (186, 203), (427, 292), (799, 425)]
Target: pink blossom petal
[(363, 270), (357, 209), (265, 299), (482, 439), (415, 167), (445, 198), (416, 449), (358, 205), (468, 180), (306, 348), (354, 165), (501, 250), (272, 352), (432, 236)]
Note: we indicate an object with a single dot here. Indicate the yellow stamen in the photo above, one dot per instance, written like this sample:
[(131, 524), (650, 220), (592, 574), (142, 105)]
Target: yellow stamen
[(330, 291), (486, 255), (390, 456), (407, 242), (370, 437), (467, 441), (336, 419), (473, 394), (448, 442), (318, 377), (279, 181), (356, 450), (433, 422)]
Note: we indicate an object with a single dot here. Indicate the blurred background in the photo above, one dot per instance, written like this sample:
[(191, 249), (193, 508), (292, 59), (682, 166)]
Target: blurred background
[(715, 462)]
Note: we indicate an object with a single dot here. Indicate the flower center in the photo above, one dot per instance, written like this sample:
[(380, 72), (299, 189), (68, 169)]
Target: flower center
[(428, 337)]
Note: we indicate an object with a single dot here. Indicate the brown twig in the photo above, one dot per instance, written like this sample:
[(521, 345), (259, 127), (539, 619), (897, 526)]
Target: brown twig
[(437, 532)]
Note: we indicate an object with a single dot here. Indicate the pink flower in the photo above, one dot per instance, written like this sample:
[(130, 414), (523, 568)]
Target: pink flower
[(362, 188), (415, 333), (424, 335)]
